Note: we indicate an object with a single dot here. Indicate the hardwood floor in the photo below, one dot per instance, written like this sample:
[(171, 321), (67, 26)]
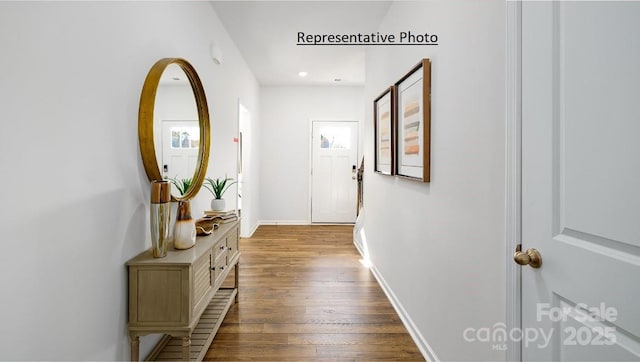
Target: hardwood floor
[(305, 296)]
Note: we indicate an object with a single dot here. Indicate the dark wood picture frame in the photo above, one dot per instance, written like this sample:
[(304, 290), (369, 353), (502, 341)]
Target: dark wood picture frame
[(413, 123), (384, 114)]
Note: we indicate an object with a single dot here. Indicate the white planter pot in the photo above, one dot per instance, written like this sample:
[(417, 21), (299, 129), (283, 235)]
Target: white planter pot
[(218, 204)]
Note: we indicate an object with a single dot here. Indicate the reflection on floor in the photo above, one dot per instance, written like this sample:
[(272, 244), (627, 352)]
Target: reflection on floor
[(305, 296)]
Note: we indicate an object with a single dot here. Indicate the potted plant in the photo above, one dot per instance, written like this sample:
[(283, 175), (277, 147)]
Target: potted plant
[(181, 184), (218, 187)]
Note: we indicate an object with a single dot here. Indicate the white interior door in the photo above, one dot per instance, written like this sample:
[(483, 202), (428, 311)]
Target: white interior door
[(180, 143), (244, 163), (580, 188), (333, 173)]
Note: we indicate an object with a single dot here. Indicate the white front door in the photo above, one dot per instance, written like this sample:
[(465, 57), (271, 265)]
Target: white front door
[(581, 180), (333, 172), (180, 142)]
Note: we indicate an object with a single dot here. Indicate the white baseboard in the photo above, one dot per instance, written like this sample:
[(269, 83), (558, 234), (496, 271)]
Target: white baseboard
[(418, 339), (359, 248), (332, 223), (284, 222), (252, 231)]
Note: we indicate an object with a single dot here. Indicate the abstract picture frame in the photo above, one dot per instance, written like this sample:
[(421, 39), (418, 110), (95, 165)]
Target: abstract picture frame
[(384, 132), (413, 123)]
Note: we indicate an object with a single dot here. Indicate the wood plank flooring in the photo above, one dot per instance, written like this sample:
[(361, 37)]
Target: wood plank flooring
[(304, 296)]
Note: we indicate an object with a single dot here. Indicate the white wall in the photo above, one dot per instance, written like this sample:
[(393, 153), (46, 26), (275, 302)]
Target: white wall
[(75, 195), (440, 246), (286, 114)]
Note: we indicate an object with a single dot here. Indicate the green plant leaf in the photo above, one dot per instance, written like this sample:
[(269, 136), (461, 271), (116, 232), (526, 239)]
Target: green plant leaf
[(218, 186), (182, 185)]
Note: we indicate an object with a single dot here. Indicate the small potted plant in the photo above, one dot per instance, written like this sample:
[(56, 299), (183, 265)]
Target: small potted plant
[(218, 187), (182, 185)]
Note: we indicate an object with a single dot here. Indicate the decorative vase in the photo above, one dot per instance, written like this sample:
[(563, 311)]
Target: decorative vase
[(184, 231), (160, 217), (217, 204)]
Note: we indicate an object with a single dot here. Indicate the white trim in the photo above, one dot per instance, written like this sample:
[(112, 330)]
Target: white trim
[(359, 248), (332, 223), (513, 173), (289, 222), (418, 339), (310, 173), (283, 222), (252, 231), (239, 108)]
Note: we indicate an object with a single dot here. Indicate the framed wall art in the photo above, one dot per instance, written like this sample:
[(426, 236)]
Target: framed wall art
[(413, 108), (383, 129)]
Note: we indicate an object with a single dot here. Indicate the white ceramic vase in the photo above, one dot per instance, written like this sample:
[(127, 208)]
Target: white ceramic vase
[(218, 204), (184, 231)]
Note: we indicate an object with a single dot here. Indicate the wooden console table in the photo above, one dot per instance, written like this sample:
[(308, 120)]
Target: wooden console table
[(181, 295)]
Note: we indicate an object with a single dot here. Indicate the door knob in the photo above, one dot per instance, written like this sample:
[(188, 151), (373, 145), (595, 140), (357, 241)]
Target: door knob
[(531, 257)]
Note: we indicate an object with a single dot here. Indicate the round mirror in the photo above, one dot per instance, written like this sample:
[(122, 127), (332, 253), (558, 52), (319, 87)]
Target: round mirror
[(173, 125)]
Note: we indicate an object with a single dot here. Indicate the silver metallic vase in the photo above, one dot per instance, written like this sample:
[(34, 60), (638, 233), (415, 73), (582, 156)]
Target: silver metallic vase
[(160, 217)]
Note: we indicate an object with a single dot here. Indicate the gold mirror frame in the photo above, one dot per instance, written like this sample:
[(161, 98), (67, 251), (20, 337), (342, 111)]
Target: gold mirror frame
[(145, 124)]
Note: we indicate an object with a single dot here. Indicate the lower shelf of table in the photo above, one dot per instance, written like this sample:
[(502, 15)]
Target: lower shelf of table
[(170, 348)]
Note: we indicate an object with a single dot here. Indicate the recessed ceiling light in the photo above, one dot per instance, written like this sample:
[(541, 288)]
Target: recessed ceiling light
[(302, 74), (175, 78), (337, 79)]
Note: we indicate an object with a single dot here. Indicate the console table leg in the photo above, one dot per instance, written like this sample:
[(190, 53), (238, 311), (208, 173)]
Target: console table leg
[(135, 348), (236, 281), (186, 348)]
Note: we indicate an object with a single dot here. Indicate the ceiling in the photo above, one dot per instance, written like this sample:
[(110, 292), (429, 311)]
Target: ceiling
[(266, 33)]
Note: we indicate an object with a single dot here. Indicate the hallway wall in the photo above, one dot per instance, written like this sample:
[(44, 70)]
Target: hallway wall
[(286, 117), (75, 195), (439, 246)]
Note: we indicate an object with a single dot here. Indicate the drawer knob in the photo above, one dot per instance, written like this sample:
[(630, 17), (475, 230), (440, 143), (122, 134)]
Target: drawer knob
[(213, 268), (222, 268)]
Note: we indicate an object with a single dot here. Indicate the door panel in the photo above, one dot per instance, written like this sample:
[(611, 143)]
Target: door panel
[(580, 339), (599, 95), (333, 182), (580, 166), (180, 142)]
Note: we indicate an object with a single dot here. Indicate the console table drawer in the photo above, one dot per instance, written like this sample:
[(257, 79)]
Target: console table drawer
[(220, 251), (232, 244), (219, 272)]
